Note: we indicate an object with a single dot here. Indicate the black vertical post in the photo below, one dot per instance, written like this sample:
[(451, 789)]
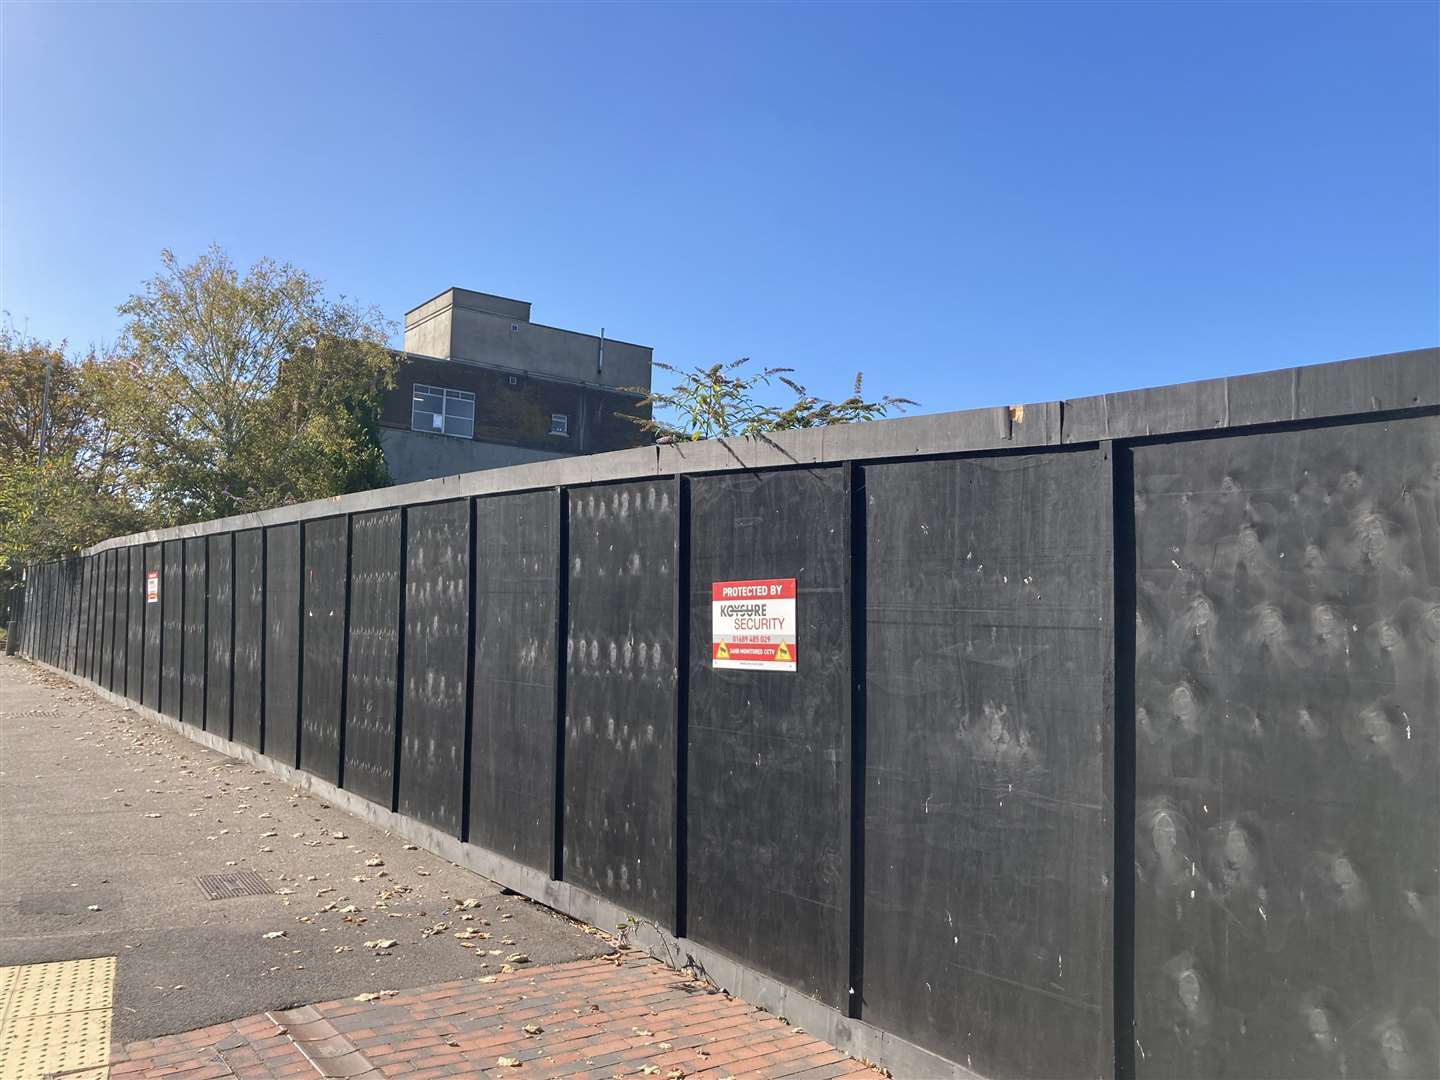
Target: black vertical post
[(77, 632), (97, 577), (107, 677), (855, 663), (205, 641), (106, 674), (114, 598), (300, 653), (122, 603), (82, 633), (160, 662), (114, 605), (125, 682), (102, 609), (1121, 684), (87, 583), (77, 590), (681, 563), (264, 626), (345, 649), (92, 666), (144, 644), (469, 718), (72, 612), (135, 609), (562, 660), (180, 659), (117, 666), (97, 616), (72, 618), (400, 662), (230, 695)]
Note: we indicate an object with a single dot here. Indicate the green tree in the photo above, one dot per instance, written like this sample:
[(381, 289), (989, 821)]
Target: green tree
[(722, 401), (241, 391), (82, 490)]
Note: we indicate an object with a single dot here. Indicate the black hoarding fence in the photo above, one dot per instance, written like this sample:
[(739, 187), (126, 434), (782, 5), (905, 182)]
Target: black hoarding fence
[(619, 809), (322, 679), (513, 745), (220, 621), (1092, 738), (282, 652), (248, 660), (434, 735), (193, 647), (375, 584)]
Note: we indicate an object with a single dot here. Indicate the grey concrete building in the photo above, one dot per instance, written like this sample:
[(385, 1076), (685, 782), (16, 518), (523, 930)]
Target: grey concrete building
[(479, 386)]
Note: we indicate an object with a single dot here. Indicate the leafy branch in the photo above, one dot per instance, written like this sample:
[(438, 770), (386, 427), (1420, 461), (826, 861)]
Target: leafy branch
[(724, 401)]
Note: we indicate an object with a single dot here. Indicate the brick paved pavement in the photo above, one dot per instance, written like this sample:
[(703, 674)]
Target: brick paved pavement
[(588, 1018)]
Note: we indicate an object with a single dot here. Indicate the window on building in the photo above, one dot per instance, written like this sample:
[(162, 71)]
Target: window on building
[(443, 412), (559, 423)]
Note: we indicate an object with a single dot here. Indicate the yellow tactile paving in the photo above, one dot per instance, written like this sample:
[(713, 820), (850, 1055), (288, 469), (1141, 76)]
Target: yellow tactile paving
[(55, 1019)]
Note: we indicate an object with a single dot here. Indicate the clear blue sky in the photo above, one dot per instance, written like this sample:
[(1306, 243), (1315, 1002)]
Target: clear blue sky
[(974, 204)]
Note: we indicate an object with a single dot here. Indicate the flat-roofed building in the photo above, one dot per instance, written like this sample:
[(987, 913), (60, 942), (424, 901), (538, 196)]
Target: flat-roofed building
[(480, 386)]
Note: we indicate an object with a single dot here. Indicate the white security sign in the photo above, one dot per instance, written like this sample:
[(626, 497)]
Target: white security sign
[(753, 624)]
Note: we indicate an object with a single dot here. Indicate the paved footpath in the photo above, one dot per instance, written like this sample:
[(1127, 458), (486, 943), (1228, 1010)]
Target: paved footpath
[(588, 1018), (111, 949)]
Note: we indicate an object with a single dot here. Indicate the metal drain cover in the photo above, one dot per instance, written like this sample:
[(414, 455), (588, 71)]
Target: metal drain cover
[(232, 884)]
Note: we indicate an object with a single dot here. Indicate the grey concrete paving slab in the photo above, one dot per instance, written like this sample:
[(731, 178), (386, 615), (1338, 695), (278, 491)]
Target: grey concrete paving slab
[(108, 820)]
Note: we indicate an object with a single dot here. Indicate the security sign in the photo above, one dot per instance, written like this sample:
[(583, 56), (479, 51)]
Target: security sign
[(753, 624), (152, 586)]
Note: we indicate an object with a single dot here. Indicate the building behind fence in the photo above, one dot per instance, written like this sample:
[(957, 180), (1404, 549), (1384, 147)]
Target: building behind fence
[(1112, 744)]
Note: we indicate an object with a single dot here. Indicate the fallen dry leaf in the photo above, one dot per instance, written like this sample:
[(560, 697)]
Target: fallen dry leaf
[(532, 1029), (274, 934), (507, 1062), (381, 943), (375, 995)]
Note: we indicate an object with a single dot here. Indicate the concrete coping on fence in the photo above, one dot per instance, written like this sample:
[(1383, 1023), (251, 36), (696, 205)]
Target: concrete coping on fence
[(1392, 382)]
